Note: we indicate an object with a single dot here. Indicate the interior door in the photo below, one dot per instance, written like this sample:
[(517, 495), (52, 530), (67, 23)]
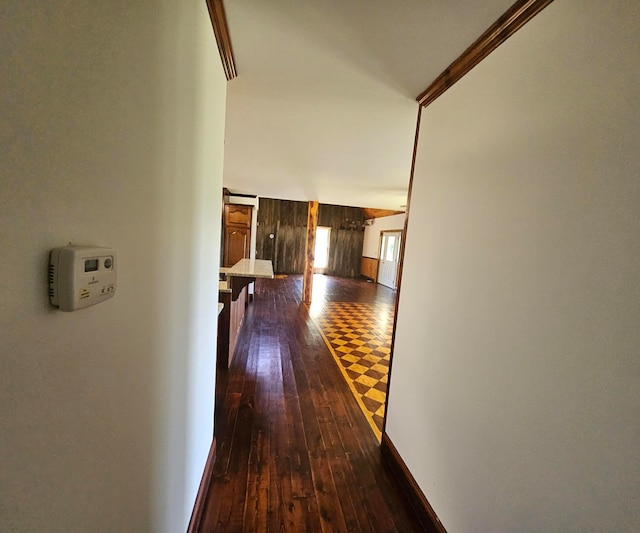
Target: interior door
[(389, 258)]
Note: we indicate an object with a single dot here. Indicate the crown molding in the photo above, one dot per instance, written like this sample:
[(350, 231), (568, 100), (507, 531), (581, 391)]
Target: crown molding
[(221, 31), (510, 22), (370, 213)]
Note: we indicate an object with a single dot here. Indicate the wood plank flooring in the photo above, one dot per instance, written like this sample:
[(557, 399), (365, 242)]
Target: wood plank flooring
[(294, 452), (358, 336)]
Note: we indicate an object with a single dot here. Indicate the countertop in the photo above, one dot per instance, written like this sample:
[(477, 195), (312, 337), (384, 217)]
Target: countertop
[(251, 268)]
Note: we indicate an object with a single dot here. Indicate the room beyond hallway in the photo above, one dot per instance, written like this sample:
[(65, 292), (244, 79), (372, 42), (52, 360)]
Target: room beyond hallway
[(294, 452)]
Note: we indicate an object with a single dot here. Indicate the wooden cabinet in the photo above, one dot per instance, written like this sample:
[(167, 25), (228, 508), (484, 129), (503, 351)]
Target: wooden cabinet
[(237, 233), (236, 244), (229, 322), (237, 215), (369, 268)]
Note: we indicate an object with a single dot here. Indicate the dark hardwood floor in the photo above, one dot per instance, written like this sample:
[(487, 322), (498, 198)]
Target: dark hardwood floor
[(294, 451)]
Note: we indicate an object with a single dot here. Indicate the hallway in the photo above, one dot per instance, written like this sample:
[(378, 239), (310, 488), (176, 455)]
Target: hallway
[(294, 451)]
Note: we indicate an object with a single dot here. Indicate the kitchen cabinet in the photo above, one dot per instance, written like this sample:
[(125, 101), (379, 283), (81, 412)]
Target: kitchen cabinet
[(237, 233)]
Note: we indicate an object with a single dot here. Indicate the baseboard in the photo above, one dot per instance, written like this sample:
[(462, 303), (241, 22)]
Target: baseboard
[(416, 498), (201, 498)]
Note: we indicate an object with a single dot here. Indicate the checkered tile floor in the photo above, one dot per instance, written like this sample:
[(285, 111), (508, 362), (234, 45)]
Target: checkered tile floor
[(359, 337)]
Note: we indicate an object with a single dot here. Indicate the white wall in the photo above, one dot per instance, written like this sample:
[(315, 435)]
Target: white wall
[(371, 244), (514, 395), (112, 131)]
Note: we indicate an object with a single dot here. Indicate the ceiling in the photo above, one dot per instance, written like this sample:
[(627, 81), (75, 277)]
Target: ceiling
[(324, 106)]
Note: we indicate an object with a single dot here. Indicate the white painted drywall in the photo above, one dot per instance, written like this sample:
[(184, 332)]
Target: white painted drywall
[(514, 394), (371, 243), (112, 134)]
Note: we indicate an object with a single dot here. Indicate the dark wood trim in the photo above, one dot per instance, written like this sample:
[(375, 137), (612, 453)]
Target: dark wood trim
[(401, 264), (510, 22), (203, 491), (312, 225), (416, 498), (370, 213), (223, 38), (242, 195)]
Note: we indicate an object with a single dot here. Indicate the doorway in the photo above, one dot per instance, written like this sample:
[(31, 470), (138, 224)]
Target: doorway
[(389, 258), (321, 253)]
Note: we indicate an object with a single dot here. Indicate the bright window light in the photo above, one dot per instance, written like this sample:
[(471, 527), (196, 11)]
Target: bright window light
[(322, 247)]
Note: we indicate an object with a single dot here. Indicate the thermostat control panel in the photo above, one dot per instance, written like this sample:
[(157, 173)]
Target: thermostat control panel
[(81, 276)]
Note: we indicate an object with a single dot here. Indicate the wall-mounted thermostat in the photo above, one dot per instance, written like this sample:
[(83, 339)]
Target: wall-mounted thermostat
[(80, 276)]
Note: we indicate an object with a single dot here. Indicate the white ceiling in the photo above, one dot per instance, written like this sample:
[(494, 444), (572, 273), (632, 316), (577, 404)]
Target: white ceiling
[(324, 107)]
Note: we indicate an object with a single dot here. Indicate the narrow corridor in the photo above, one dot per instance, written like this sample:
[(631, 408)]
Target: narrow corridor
[(294, 451)]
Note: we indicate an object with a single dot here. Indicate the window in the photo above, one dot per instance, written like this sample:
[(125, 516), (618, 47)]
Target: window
[(390, 253)]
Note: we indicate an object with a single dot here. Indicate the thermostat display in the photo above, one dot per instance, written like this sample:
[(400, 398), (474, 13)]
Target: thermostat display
[(91, 265), (81, 276)]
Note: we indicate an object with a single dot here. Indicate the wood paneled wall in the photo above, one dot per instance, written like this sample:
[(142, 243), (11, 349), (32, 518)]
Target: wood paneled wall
[(369, 268), (287, 221), (347, 237)]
